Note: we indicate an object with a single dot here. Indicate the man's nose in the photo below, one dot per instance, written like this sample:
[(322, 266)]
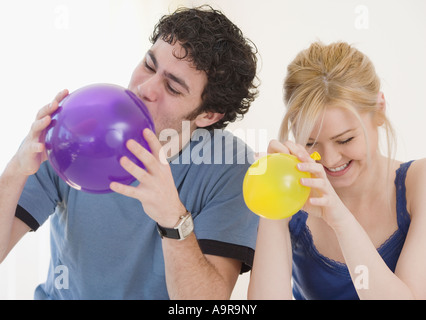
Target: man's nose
[(149, 89)]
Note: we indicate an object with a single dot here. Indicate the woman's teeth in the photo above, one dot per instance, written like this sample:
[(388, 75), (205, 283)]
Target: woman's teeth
[(337, 169)]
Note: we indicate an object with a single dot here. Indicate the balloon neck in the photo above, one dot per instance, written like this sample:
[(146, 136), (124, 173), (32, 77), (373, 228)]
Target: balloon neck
[(315, 156)]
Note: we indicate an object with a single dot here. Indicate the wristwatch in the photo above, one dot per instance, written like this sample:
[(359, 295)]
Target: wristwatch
[(181, 231)]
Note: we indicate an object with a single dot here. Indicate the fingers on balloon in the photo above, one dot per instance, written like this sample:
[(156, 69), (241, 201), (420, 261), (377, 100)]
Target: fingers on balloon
[(272, 188), (93, 123)]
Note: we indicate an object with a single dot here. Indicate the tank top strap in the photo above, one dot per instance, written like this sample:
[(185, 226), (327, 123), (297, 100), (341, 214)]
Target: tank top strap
[(403, 217), (298, 223)]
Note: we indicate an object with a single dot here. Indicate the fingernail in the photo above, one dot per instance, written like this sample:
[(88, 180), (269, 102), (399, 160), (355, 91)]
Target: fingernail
[(148, 131), (130, 143)]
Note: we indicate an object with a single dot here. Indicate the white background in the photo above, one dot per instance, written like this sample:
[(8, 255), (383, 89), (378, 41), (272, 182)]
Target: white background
[(49, 45)]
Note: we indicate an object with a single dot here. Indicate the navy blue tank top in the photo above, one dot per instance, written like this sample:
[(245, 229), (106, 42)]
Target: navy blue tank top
[(318, 277)]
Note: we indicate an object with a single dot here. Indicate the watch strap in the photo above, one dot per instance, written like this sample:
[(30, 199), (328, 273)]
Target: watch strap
[(171, 233), (182, 230)]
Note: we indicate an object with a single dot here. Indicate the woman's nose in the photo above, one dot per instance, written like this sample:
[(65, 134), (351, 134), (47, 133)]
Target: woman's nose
[(330, 157)]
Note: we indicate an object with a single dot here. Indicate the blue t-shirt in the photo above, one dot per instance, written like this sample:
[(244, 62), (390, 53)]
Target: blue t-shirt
[(105, 246)]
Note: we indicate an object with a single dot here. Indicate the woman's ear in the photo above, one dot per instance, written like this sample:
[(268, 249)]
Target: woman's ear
[(381, 101), (206, 119), (380, 115)]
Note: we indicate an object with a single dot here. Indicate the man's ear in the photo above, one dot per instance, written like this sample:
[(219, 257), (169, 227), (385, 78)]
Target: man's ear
[(206, 119)]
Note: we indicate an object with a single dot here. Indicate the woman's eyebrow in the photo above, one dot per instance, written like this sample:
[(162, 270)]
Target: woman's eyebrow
[(336, 136), (341, 134)]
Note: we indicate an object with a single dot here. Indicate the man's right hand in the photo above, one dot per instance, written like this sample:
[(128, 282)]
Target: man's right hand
[(32, 152)]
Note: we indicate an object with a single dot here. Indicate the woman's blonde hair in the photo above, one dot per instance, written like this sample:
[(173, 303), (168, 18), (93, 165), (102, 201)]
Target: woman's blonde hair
[(329, 75)]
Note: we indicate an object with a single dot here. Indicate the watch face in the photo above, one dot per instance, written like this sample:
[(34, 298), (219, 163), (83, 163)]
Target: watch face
[(180, 232), (187, 227)]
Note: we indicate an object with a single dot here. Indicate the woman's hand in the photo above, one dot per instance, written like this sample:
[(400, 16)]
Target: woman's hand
[(289, 147), (32, 152), (323, 201)]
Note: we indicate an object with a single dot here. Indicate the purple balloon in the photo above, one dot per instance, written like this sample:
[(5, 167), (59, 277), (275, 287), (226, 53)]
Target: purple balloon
[(88, 135)]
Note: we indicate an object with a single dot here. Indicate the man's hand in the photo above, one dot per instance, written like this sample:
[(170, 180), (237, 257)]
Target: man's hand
[(32, 152), (156, 190)]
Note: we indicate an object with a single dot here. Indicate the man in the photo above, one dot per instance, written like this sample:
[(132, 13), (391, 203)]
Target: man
[(182, 230)]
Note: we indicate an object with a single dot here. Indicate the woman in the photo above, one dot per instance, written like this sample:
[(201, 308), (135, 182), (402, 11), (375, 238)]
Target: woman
[(362, 232)]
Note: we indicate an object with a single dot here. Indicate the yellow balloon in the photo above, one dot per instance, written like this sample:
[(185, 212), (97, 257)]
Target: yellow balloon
[(272, 187)]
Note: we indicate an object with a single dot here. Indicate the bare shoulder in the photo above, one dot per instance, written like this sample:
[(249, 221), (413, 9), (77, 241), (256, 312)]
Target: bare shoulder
[(412, 261), (416, 187), (416, 172)]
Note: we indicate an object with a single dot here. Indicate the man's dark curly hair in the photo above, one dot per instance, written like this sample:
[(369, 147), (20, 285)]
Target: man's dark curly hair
[(214, 45)]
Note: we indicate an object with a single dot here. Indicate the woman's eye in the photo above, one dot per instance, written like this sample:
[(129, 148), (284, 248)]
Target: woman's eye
[(345, 141)]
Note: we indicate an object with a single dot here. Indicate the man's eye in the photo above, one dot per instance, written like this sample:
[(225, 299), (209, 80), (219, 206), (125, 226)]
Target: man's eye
[(172, 90), (149, 67)]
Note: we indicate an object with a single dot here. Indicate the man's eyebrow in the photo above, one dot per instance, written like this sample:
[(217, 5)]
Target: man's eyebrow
[(177, 80), (169, 75), (153, 58)]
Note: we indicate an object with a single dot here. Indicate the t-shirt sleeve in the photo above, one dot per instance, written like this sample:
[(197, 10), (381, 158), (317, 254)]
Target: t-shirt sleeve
[(27, 218), (229, 250), (39, 197), (225, 226)]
